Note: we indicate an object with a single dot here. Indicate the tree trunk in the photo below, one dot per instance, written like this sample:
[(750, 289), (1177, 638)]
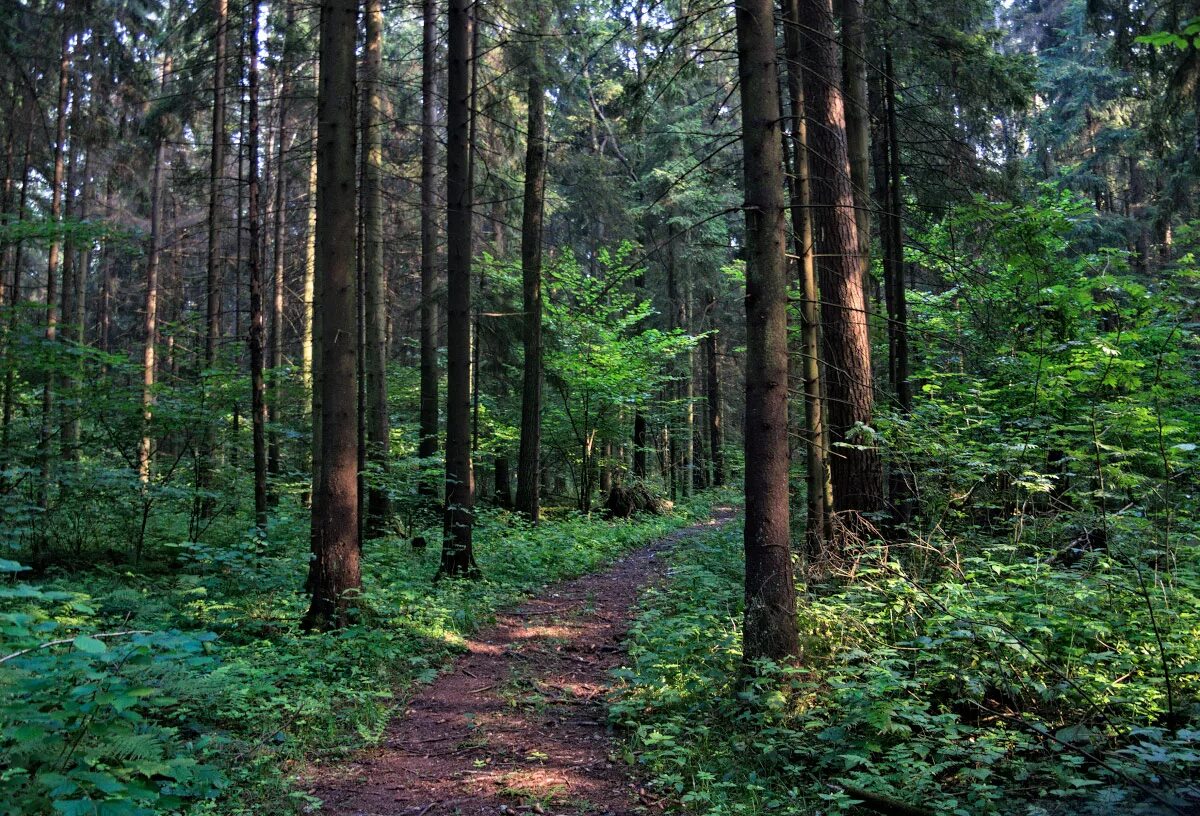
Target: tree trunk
[(145, 449), (378, 450), (855, 471), (214, 262), (427, 446), (529, 456), (770, 616), (716, 430), (858, 129), (45, 455), (258, 385), (274, 453), (819, 500), (457, 555), (335, 576)]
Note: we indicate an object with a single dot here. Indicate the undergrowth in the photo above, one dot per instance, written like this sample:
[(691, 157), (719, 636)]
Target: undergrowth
[(188, 686), (1003, 685)]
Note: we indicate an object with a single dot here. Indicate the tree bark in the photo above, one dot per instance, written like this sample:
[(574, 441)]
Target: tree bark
[(529, 455), (258, 385), (770, 616), (378, 450), (858, 129), (457, 555), (427, 445), (855, 471), (819, 500), (274, 406), (334, 571)]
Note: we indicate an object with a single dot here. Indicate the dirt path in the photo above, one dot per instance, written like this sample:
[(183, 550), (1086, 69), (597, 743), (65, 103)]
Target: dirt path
[(519, 723)]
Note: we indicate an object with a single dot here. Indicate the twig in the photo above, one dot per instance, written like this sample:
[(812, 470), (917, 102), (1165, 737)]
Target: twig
[(64, 641)]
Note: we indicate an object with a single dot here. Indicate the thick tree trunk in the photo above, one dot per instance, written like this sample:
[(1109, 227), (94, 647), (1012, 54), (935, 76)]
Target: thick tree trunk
[(427, 446), (819, 500), (855, 470), (378, 449), (529, 456), (770, 616), (457, 556), (858, 128), (335, 576), (258, 385)]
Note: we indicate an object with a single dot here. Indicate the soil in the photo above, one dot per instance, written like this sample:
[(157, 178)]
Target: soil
[(518, 724)]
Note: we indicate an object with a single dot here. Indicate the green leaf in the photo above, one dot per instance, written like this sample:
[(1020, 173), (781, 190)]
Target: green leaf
[(89, 645)]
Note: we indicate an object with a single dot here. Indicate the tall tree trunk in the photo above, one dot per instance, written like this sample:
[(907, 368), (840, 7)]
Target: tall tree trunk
[(15, 298), (819, 500), (258, 385), (858, 128), (153, 253), (855, 470), (712, 397), (214, 262), (529, 456), (427, 445), (378, 449), (457, 555), (275, 363), (45, 454), (335, 574), (770, 616)]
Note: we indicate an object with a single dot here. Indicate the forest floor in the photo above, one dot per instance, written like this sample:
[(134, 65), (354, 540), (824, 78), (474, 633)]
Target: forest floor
[(519, 723)]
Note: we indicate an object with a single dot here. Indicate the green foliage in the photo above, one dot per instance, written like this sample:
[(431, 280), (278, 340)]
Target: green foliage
[(1007, 686), (164, 691)]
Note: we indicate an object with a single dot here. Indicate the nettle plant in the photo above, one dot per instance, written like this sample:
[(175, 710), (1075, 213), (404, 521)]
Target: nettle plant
[(90, 722)]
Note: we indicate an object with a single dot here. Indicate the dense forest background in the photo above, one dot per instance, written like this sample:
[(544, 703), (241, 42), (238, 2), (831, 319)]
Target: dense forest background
[(308, 311)]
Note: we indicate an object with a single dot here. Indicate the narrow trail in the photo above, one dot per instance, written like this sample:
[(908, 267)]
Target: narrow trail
[(519, 723)]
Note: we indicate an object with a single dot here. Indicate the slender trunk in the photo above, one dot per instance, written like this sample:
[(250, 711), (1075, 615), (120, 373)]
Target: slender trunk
[(770, 616), (427, 445), (145, 449), (819, 500), (258, 386), (274, 453), (104, 308), (855, 470), (378, 449), (335, 575), (457, 556), (716, 430), (15, 298), (45, 455), (214, 261)]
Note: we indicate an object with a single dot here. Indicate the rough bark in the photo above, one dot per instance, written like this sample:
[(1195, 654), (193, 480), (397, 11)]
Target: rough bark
[(854, 466), (529, 455), (770, 616), (457, 555), (858, 129), (334, 571), (145, 448), (275, 363)]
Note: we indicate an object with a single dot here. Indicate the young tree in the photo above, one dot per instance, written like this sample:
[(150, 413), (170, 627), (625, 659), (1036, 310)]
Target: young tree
[(457, 556), (334, 573), (770, 617)]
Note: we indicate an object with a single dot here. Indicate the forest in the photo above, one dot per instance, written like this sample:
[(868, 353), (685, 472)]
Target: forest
[(608, 407)]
